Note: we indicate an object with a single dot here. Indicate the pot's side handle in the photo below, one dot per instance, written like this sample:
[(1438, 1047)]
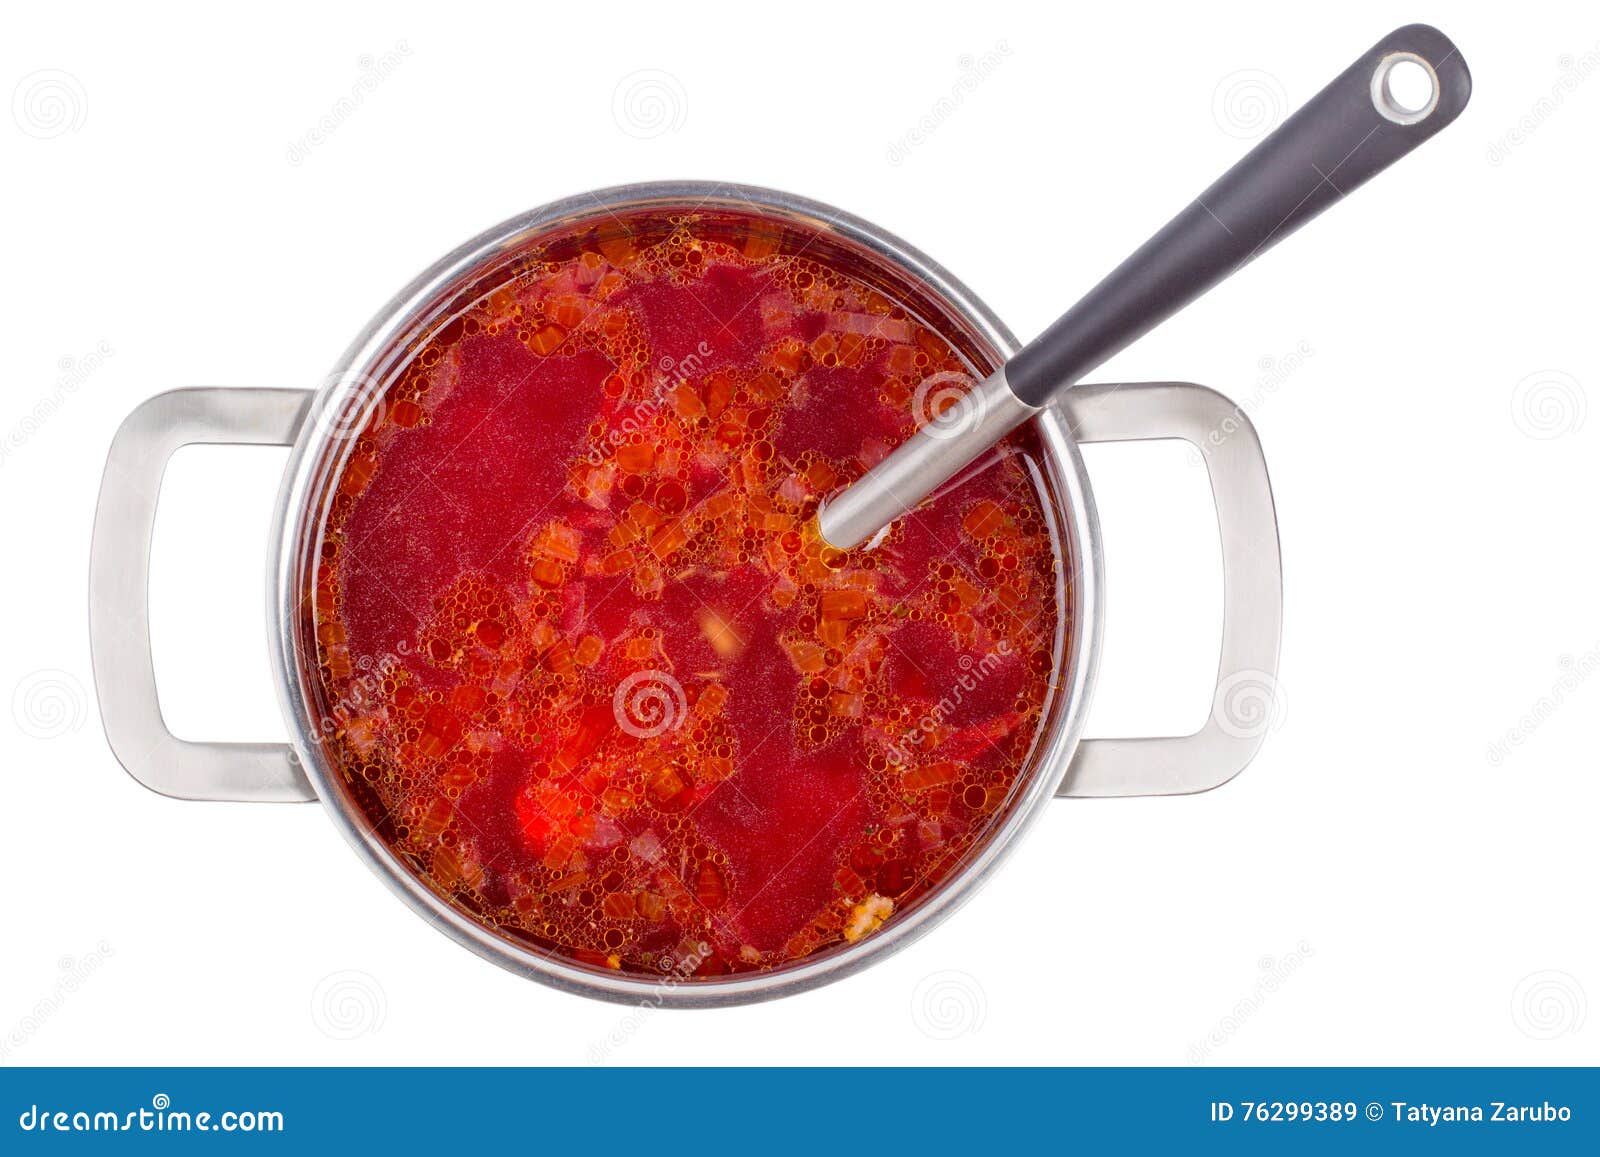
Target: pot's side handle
[(1243, 703), (119, 581)]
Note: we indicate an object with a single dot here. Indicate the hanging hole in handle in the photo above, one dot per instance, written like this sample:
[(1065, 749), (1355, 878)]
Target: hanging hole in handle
[(1405, 89)]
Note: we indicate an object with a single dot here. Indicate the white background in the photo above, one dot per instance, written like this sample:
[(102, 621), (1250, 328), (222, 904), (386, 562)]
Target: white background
[(1376, 888)]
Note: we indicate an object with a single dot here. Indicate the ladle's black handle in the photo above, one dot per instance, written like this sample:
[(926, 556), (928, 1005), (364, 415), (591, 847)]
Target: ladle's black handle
[(1350, 131)]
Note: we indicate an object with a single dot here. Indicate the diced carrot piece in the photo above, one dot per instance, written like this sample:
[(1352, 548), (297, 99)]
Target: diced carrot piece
[(711, 700), (636, 457), (624, 532), (686, 402), (568, 310), (588, 652), (616, 249), (834, 633), (644, 515), (547, 573), (467, 697), (338, 658), (618, 905), (788, 354), (984, 519), (851, 347), (446, 868), (547, 340), (718, 391), (670, 538), (848, 705), (574, 880), (902, 359), (711, 888), (844, 604), (558, 540), (759, 243), (666, 785), (820, 475), (558, 657), (765, 387), (718, 504), (930, 775), (650, 905), (435, 816), (617, 562)]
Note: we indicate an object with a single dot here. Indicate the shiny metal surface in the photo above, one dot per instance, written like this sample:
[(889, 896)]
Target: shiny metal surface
[(1252, 590), (119, 580), (940, 449)]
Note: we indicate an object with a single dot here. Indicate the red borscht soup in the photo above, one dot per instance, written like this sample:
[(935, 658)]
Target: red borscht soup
[(582, 660)]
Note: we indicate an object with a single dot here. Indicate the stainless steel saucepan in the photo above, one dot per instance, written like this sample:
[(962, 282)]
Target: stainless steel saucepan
[(314, 424)]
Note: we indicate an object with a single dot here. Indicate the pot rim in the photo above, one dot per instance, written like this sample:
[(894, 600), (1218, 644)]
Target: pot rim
[(1053, 750)]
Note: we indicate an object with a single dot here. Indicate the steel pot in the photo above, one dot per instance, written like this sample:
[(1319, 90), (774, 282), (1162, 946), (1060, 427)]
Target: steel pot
[(311, 422)]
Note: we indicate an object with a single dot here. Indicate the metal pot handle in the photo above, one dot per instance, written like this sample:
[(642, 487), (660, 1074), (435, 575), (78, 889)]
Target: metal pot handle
[(119, 582), (1252, 598)]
